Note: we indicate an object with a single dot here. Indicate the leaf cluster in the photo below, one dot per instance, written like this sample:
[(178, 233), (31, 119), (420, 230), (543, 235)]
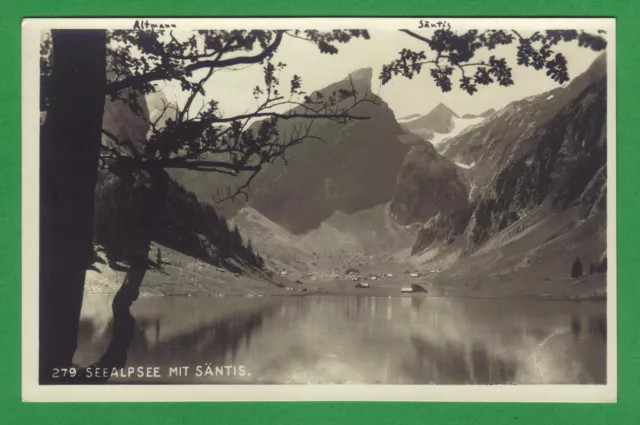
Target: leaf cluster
[(452, 54)]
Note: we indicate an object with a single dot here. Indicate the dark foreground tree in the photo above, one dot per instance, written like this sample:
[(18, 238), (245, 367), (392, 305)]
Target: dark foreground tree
[(69, 150), (197, 136), (74, 84)]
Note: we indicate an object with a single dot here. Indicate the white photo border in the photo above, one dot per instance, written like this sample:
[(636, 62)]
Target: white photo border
[(32, 391)]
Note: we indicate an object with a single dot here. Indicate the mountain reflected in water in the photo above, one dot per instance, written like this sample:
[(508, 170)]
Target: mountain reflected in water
[(355, 340)]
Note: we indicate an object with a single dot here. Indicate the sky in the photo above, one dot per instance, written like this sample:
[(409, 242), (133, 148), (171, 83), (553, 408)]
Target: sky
[(233, 89)]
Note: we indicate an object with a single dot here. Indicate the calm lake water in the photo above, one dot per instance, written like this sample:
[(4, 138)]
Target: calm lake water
[(354, 340)]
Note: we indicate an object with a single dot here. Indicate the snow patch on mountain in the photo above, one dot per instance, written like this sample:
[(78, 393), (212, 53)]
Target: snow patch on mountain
[(465, 166), (459, 125)]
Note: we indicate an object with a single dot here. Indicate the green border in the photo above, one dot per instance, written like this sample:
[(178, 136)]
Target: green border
[(627, 13)]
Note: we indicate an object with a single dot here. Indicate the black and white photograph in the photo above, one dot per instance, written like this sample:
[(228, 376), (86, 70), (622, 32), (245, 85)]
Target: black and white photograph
[(319, 209)]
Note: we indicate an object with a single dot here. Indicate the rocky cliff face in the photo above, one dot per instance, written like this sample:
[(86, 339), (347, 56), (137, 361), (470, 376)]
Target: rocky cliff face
[(344, 168), (353, 168), (119, 120), (506, 135), (565, 164), (428, 185), (547, 149), (442, 229)]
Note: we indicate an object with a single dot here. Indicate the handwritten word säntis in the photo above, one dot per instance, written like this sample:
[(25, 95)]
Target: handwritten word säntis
[(434, 24)]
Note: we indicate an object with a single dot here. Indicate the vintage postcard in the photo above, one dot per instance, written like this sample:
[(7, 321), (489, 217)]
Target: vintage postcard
[(290, 209)]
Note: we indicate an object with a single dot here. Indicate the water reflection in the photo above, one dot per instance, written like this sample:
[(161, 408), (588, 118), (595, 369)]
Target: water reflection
[(331, 339), (456, 363)]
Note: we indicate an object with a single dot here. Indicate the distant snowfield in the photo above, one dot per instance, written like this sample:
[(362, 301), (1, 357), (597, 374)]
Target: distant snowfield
[(459, 125)]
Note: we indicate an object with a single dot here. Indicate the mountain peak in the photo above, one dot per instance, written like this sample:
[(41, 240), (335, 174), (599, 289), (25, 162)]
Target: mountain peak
[(599, 66), (439, 120), (362, 74), (443, 109), (596, 71), (361, 79)]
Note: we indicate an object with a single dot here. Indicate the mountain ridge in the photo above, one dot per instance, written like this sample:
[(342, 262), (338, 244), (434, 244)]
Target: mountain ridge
[(438, 120), (543, 165), (354, 169)]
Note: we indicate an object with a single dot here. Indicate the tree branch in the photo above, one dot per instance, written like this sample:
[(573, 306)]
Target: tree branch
[(419, 37), (125, 143), (192, 165), (518, 34), (240, 190), (291, 116), (159, 73)]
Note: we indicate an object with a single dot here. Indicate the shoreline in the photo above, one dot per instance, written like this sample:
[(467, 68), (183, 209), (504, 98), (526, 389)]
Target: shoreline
[(181, 276), (597, 297)]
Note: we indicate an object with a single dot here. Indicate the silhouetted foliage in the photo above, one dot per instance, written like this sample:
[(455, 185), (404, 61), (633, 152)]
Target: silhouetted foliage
[(600, 266), (576, 269), (450, 53), (203, 138), (260, 262), (183, 223), (249, 254), (196, 134)]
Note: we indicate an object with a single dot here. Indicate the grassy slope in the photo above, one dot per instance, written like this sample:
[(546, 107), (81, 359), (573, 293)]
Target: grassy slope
[(181, 275), (532, 258)]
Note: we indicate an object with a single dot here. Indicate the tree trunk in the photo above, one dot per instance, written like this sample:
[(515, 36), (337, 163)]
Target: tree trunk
[(123, 322), (146, 208), (69, 150)]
